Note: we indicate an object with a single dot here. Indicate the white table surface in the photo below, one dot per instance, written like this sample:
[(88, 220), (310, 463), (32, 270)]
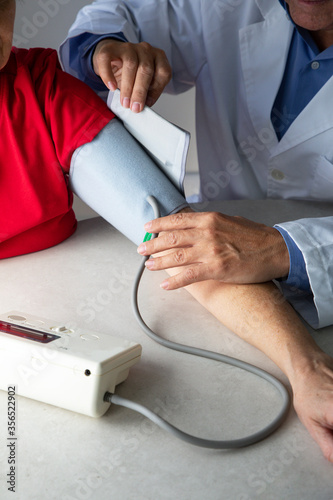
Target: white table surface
[(86, 281)]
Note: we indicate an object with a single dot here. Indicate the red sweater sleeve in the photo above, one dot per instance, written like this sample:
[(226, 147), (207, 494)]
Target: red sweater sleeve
[(73, 112), (45, 115)]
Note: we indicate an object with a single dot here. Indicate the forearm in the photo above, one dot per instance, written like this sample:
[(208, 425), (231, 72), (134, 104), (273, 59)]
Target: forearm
[(260, 315)]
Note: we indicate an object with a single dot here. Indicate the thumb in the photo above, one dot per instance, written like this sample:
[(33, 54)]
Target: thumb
[(324, 438)]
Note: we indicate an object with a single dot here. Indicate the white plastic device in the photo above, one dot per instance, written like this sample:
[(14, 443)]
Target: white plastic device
[(67, 367), (165, 142)]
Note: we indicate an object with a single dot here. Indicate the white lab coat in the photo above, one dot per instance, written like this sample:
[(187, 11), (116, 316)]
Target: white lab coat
[(234, 52)]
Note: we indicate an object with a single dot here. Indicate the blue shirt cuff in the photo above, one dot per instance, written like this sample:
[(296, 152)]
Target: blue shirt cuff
[(298, 276), (81, 49)]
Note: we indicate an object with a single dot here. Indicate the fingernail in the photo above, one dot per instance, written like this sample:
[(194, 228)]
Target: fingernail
[(111, 86), (126, 102), (150, 263), (141, 248), (136, 107), (164, 285), (147, 226)]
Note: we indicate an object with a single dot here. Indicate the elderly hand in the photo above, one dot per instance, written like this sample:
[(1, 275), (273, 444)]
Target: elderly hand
[(313, 400), (139, 70), (215, 246)]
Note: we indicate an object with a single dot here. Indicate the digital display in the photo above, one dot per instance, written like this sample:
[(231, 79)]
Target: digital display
[(27, 333)]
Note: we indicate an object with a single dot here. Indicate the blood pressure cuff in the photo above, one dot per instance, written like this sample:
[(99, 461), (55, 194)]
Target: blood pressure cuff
[(114, 175)]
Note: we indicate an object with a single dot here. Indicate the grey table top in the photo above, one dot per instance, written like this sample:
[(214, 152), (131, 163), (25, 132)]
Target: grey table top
[(87, 281)]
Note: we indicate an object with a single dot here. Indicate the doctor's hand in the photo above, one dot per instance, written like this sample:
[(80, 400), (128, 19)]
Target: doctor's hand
[(213, 246), (139, 70)]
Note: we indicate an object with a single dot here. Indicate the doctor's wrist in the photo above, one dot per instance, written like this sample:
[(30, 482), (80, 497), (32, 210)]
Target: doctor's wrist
[(281, 258)]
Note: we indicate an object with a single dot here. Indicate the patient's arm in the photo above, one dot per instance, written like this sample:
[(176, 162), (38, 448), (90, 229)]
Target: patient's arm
[(113, 175), (259, 314)]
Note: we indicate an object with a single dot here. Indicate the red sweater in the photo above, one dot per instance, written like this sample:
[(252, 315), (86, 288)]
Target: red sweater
[(45, 114)]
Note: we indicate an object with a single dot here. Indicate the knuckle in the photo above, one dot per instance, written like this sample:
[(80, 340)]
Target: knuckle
[(209, 233), (213, 218), (147, 69), (172, 238), (145, 46), (190, 275), (212, 225), (165, 72), (131, 63), (127, 46), (130, 58), (179, 257), (176, 218)]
